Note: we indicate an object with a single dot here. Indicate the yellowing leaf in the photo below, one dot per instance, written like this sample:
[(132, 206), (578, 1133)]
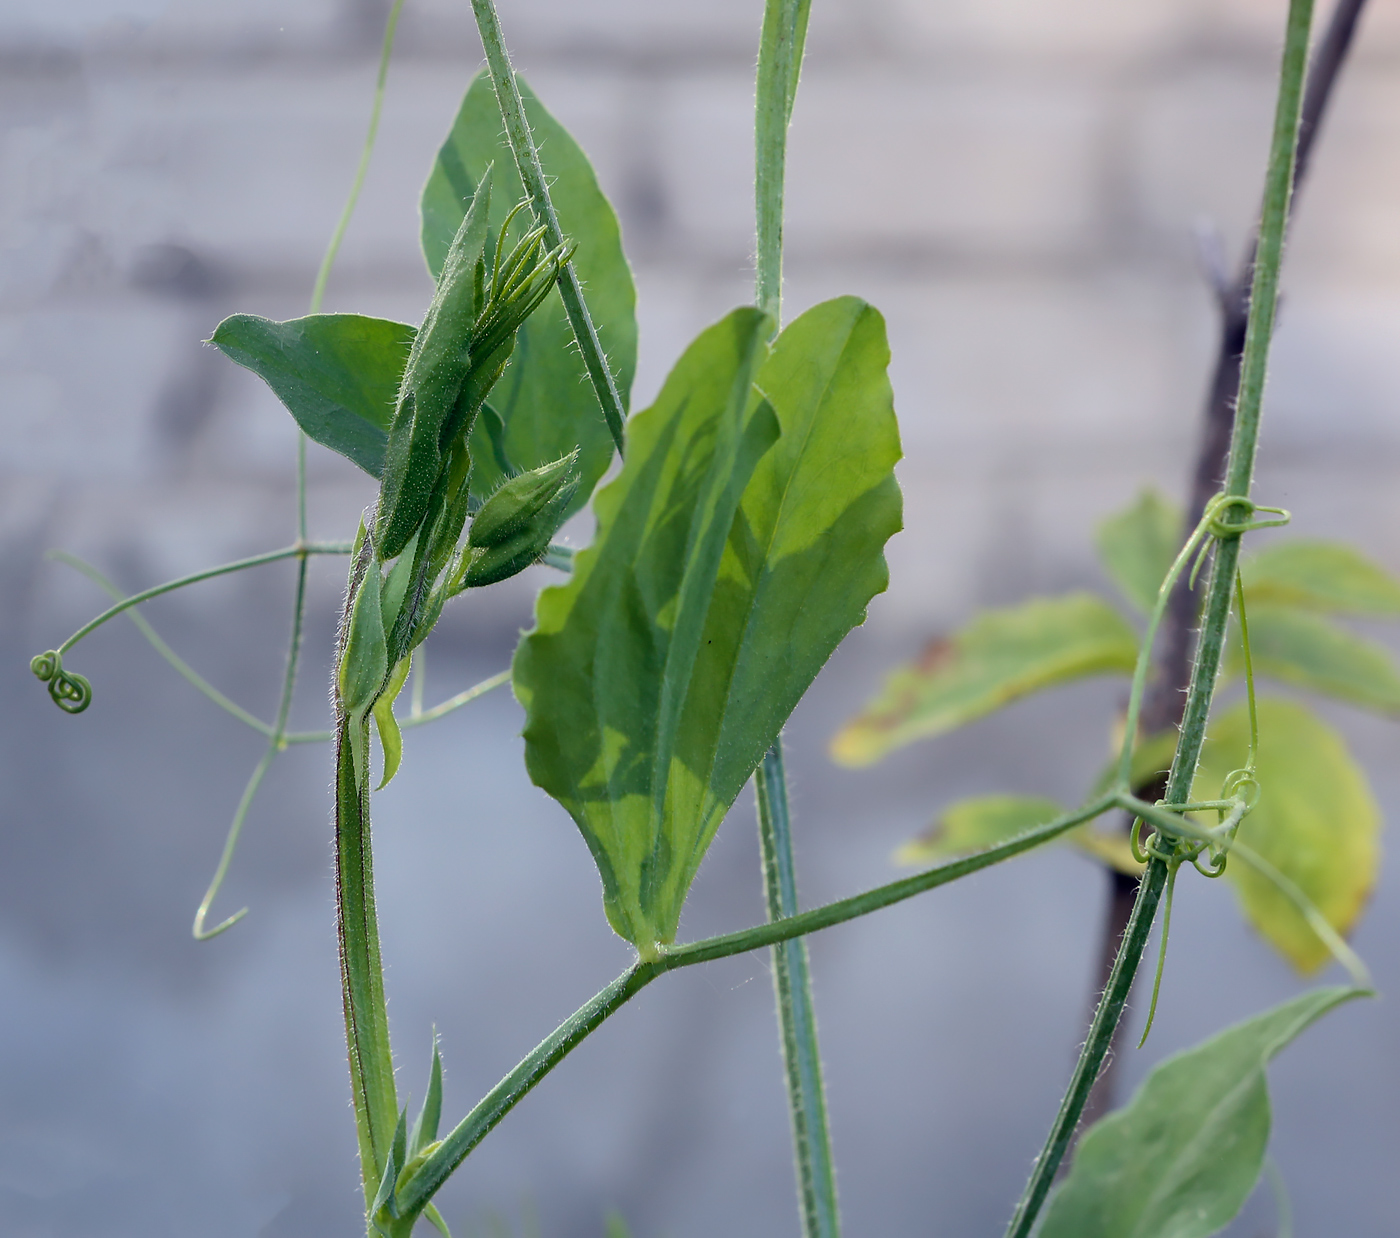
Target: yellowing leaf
[(1314, 653), (1000, 656), (1328, 576), (976, 823), (1139, 544), (1316, 822)]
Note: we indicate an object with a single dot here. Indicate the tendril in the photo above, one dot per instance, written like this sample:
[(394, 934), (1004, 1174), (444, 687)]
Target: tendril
[(71, 693)]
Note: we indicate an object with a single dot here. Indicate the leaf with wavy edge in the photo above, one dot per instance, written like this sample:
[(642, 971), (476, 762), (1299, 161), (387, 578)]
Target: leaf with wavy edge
[(740, 542)]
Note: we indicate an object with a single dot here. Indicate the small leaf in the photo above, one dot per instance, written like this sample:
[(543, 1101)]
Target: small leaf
[(338, 374), (545, 405), (1326, 576), (1316, 822), (1139, 544), (976, 823), (616, 1227), (1314, 653), (425, 1127), (390, 737), (657, 677), (1183, 1155), (1000, 656), (435, 1219)]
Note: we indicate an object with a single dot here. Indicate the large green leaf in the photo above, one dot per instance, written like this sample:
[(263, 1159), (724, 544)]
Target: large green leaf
[(1316, 822), (657, 677), (545, 402), (338, 374), (1327, 576), (1000, 656), (1314, 653), (1139, 544), (1180, 1159)]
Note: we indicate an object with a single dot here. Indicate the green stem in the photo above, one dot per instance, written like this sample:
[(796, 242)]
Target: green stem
[(438, 1167), (422, 716), (361, 971), (1239, 478), (274, 746), (300, 550), (779, 69), (811, 1140), (333, 248), (181, 666), (527, 161)]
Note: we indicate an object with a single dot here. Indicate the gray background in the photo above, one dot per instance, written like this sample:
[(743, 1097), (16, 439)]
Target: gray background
[(1014, 183)]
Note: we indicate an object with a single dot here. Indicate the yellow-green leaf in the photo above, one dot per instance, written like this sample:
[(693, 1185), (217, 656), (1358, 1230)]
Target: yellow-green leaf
[(390, 737), (739, 544), (1316, 822), (1327, 576), (1314, 653), (1000, 656), (976, 823), (1139, 544)]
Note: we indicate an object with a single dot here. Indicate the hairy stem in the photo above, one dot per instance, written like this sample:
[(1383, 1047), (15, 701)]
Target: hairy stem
[(1239, 477), (361, 971), (527, 161), (569, 1034), (1166, 696), (797, 1022), (779, 69)]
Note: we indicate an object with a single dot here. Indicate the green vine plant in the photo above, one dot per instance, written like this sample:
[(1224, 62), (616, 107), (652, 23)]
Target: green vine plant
[(737, 544)]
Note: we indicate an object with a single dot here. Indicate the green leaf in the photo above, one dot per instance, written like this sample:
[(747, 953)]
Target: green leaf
[(425, 1127), (390, 737), (365, 662), (616, 1227), (1314, 653), (657, 677), (1316, 822), (1000, 656), (544, 402), (338, 374), (435, 1219), (1326, 576), (1139, 544), (975, 823), (1180, 1159)]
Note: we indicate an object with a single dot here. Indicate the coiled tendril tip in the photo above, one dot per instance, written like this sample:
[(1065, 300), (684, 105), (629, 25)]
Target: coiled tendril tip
[(71, 693)]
